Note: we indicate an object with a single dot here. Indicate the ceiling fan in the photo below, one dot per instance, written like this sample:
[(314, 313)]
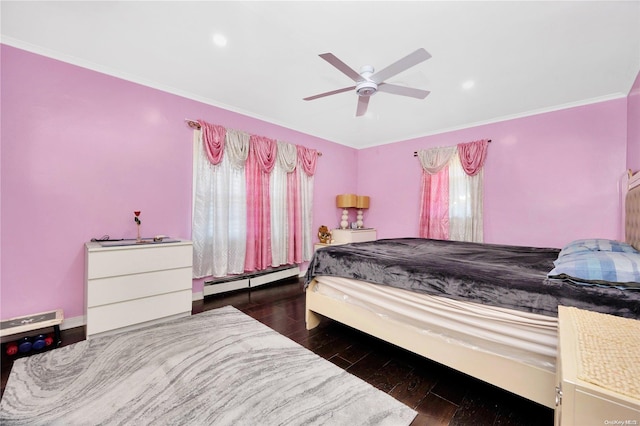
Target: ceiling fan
[(369, 82)]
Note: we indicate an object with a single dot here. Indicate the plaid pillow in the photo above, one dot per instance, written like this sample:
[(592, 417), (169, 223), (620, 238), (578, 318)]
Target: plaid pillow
[(598, 267), (596, 244)]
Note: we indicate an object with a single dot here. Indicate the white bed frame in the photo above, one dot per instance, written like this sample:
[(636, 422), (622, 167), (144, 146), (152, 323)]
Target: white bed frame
[(532, 382), (526, 380)]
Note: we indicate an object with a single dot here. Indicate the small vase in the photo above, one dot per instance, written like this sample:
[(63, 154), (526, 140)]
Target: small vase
[(138, 239)]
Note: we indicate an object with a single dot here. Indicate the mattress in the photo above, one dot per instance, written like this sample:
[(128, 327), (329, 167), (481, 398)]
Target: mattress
[(523, 336), (512, 277)]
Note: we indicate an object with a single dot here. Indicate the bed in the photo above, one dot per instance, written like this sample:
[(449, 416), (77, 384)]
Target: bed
[(487, 310)]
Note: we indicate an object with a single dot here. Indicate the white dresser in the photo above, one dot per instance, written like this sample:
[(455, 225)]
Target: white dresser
[(592, 390), (132, 285)]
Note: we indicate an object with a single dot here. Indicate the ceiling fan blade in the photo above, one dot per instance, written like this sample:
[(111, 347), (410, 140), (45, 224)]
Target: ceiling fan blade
[(397, 67), (333, 92), (403, 91), (346, 69), (363, 103)]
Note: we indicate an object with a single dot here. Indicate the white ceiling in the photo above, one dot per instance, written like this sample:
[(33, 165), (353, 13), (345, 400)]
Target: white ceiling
[(524, 57)]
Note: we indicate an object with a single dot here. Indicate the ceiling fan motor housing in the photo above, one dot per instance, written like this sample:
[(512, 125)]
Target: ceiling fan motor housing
[(366, 87)]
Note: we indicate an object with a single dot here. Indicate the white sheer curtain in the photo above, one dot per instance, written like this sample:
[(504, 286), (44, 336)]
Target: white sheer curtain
[(219, 208), (285, 164), (465, 203), (305, 186)]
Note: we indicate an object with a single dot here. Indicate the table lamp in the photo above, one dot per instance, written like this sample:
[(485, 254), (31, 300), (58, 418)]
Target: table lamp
[(362, 202), (345, 201)]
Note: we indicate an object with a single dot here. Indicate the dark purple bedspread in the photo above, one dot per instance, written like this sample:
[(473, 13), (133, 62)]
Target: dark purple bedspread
[(513, 277)]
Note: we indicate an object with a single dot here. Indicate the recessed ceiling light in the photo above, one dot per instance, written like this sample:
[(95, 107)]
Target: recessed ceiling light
[(468, 84), (219, 40)]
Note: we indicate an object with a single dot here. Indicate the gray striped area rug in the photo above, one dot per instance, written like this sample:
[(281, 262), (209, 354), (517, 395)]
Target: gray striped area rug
[(220, 367)]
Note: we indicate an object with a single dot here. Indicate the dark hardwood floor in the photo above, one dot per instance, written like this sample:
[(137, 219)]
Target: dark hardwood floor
[(440, 395)]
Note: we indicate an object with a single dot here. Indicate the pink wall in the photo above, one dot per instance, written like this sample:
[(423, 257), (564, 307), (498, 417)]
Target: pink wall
[(633, 127), (549, 178), (82, 150)]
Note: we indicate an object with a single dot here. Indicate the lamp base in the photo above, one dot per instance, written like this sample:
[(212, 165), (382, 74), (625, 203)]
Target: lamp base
[(359, 222), (344, 223)]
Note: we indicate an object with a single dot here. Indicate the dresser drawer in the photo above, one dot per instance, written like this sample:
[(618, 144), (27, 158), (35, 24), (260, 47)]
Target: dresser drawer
[(138, 311), (345, 236), (137, 259), (102, 291)]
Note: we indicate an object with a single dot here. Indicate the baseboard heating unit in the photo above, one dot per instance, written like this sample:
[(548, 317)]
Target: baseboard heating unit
[(249, 280)]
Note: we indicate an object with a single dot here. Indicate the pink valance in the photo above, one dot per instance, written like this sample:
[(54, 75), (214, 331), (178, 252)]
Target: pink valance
[(265, 150), (472, 155), (308, 158), (213, 136)]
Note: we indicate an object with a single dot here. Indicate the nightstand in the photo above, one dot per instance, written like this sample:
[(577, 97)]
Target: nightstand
[(591, 386), (317, 246), (345, 236)]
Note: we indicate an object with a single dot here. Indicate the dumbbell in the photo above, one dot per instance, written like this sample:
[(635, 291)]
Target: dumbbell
[(39, 342), (11, 348), (24, 345)]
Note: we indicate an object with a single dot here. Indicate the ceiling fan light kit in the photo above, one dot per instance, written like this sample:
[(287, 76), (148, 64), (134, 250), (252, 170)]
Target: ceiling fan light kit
[(366, 88), (369, 82)]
